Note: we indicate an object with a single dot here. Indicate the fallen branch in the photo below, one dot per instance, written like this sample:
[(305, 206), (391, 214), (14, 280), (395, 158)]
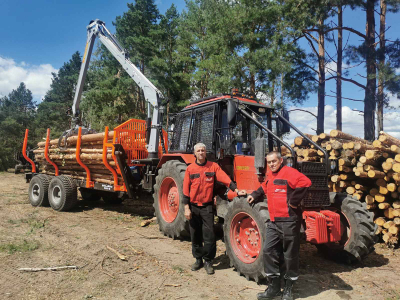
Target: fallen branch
[(120, 256), (151, 237), (172, 284), (102, 269), (147, 222), (250, 288), (48, 269)]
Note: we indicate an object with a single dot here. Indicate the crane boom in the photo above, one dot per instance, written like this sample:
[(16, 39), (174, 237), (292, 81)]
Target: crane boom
[(152, 95)]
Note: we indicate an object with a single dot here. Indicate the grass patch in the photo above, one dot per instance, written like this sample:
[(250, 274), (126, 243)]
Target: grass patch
[(24, 246), (178, 269)]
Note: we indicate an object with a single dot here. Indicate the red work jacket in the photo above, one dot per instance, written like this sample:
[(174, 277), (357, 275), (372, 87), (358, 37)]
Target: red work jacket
[(198, 184), (284, 187)]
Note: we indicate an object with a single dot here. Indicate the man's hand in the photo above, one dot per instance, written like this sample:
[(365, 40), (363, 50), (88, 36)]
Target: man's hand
[(188, 213), (242, 193), (250, 199)]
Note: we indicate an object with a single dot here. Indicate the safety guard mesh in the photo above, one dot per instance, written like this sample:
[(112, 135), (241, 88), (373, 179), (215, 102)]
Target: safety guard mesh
[(181, 132), (203, 127), (318, 193)]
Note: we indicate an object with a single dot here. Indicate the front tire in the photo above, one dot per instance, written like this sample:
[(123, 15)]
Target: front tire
[(244, 235), (63, 194), (168, 197), (358, 231), (38, 189)]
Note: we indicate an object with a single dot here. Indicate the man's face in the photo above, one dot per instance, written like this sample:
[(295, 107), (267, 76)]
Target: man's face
[(274, 163), (200, 153)]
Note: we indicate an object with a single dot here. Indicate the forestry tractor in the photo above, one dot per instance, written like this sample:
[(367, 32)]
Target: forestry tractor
[(238, 131)]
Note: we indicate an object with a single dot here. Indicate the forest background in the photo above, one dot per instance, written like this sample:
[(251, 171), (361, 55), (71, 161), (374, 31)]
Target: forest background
[(281, 51)]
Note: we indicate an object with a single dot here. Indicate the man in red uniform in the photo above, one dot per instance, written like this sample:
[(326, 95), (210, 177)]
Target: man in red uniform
[(198, 187), (284, 187)]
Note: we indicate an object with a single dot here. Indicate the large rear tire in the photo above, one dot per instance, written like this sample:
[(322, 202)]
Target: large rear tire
[(63, 194), (168, 197), (358, 232), (244, 235), (38, 189)]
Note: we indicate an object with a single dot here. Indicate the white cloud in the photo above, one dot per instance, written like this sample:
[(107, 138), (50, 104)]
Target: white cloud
[(37, 78), (331, 67), (352, 121)]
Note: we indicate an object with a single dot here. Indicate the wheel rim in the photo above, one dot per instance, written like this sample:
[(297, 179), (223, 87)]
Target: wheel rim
[(245, 237), (169, 199), (56, 195), (35, 192)]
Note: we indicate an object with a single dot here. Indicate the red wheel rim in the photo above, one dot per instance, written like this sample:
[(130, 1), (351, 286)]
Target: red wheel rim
[(245, 237), (168, 199)]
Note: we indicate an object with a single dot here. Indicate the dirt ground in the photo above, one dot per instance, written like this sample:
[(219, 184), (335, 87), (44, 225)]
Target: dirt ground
[(156, 267)]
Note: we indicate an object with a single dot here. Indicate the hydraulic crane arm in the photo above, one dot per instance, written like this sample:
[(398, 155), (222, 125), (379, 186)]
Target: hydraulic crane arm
[(152, 95)]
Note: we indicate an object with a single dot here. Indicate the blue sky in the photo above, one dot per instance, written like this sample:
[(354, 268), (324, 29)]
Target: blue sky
[(39, 36)]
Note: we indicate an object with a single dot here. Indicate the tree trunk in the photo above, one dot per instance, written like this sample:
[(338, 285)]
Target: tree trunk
[(321, 79), (339, 70), (381, 57), (370, 101)]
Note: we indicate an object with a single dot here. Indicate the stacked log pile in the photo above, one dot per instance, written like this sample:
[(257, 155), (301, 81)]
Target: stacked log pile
[(369, 171), (91, 154)]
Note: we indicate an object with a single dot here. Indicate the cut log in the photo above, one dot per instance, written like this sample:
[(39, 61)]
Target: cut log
[(324, 136), (396, 221), (380, 221), (373, 154), (360, 187), (383, 205), (388, 224), (396, 167), (375, 174), (361, 147), (300, 141), (394, 229), (391, 187), (336, 145), (335, 178), (361, 174), (310, 152), (341, 135), (395, 148), (396, 204), (346, 176), (350, 190), (386, 166), (383, 190), (389, 213), (380, 198), (369, 199), (387, 138), (346, 162), (85, 138), (364, 160)]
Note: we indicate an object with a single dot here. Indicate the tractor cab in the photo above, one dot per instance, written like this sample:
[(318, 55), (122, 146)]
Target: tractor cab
[(216, 122)]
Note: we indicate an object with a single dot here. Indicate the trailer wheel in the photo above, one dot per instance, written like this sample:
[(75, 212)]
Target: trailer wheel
[(358, 232), (244, 235), (63, 193), (111, 198), (89, 195), (168, 197), (38, 188)]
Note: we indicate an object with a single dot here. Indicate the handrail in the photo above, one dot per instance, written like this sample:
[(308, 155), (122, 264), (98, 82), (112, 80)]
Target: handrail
[(24, 151), (46, 152), (117, 187), (89, 182)]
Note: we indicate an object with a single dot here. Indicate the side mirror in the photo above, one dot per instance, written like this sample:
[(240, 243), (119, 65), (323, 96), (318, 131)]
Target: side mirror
[(231, 113), (284, 127)]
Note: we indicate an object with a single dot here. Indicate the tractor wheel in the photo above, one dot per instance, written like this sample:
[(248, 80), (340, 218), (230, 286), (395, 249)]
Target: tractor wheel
[(358, 230), (168, 196), (244, 234), (38, 188), (63, 193), (89, 195)]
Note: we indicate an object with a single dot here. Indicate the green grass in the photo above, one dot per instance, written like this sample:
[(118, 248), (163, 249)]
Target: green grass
[(33, 222), (24, 246), (178, 269)]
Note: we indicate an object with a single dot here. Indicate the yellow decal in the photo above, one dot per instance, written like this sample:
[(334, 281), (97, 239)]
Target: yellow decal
[(84, 56), (242, 168)]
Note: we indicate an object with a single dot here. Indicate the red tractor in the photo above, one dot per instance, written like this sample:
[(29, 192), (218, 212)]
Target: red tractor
[(237, 131)]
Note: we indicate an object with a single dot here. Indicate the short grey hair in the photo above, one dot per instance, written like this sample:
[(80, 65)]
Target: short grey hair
[(199, 145), (278, 154)]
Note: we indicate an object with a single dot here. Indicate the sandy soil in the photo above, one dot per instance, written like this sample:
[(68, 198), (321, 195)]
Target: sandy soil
[(156, 267)]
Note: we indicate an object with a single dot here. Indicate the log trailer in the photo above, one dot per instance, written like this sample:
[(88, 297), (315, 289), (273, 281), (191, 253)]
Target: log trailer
[(238, 131)]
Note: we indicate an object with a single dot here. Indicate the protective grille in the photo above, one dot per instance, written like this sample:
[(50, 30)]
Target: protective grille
[(132, 136), (318, 193), (316, 198), (313, 168), (203, 128), (181, 132)]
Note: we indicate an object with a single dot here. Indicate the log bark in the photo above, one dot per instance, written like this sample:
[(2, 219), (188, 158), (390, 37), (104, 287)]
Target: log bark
[(341, 135), (85, 139), (387, 138)]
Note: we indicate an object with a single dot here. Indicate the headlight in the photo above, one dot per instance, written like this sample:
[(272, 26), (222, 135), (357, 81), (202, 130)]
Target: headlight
[(289, 162), (333, 164)]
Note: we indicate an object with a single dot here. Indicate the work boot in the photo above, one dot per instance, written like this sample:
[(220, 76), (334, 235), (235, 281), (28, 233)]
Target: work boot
[(198, 264), (273, 290), (209, 268), (287, 291)]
